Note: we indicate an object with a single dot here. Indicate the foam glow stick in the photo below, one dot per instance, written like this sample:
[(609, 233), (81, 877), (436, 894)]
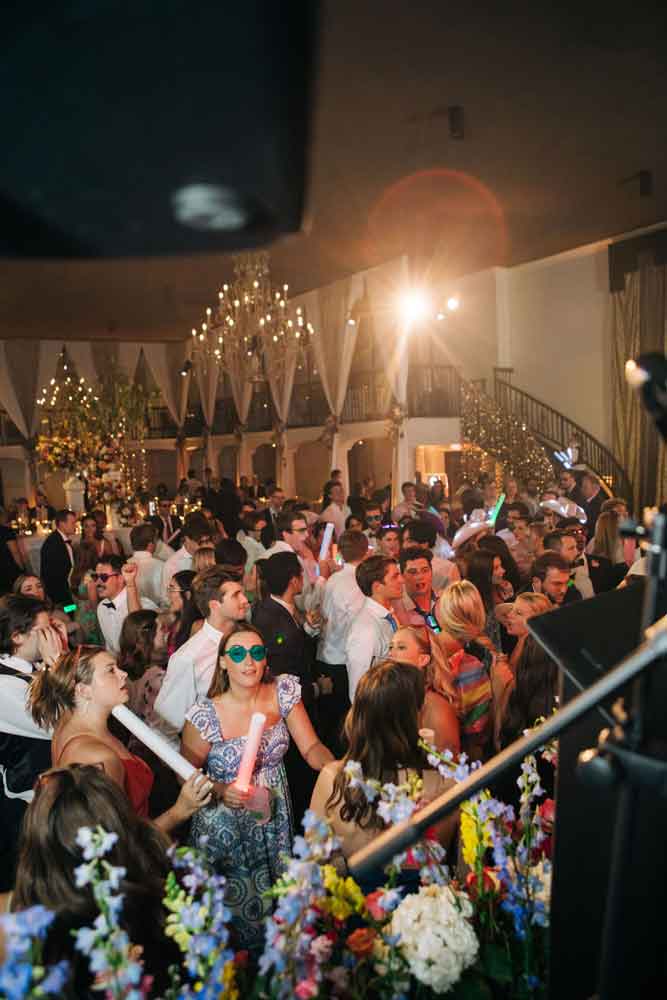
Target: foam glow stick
[(493, 515), (253, 739), (326, 540), (154, 741)]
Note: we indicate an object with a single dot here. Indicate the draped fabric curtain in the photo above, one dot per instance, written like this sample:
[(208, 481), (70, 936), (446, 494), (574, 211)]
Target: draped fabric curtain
[(80, 353), (49, 352), (8, 397), (639, 326), (241, 393), (128, 359), (207, 381), (329, 310), (384, 286)]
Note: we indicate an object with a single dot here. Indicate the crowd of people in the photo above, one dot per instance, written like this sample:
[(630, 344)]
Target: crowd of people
[(413, 620)]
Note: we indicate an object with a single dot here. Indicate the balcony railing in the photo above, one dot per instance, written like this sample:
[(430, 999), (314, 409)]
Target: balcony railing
[(434, 391), (368, 398), (557, 432)]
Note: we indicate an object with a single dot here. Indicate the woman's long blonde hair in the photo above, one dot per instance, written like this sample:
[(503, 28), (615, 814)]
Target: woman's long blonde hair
[(461, 611)]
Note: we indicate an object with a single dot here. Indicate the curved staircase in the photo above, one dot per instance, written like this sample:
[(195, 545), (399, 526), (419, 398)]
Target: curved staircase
[(556, 432)]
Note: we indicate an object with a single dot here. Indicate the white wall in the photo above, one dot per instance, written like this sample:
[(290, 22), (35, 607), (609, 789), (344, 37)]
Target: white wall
[(559, 317)]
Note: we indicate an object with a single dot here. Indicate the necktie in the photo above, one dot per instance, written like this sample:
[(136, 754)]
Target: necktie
[(110, 604), (579, 562), (392, 621)]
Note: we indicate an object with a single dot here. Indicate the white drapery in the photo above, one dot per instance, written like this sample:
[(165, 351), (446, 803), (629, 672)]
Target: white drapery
[(207, 381), (80, 353), (128, 359), (8, 396), (160, 367), (49, 352), (330, 310), (384, 285)]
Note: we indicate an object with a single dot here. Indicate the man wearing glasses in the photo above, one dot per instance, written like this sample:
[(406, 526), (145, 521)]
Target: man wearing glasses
[(118, 595), (374, 522), (292, 537)]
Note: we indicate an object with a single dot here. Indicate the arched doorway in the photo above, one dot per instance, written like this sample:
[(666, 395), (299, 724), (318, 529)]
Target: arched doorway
[(370, 457), (311, 469), (264, 462)]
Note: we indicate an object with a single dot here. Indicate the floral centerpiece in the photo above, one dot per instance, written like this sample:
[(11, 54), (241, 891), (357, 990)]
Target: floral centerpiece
[(476, 932)]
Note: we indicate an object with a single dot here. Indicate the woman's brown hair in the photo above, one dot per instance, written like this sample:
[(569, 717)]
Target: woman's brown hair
[(382, 728), (86, 558), (220, 682), (65, 800), (136, 642), (52, 691)]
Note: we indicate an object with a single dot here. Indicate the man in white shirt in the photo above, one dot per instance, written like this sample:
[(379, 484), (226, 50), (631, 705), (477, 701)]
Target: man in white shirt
[(149, 575), (26, 637), (409, 506), (195, 533), (292, 535), (220, 598), (250, 536), (424, 535), (118, 597), (337, 512), (370, 633), (342, 600)]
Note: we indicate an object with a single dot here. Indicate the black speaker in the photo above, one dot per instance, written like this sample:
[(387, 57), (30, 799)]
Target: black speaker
[(133, 129)]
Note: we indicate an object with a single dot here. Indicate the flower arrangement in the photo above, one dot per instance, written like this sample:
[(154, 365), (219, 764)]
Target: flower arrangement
[(476, 934)]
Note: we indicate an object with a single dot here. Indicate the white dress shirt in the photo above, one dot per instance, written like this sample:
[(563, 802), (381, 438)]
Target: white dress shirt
[(149, 576), (336, 515), (189, 674), (341, 601), (111, 618), (179, 561), (15, 717), (368, 639), (163, 551), (254, 549)]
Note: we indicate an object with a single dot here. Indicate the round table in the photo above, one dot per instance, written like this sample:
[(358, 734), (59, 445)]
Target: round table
[(33, 544)]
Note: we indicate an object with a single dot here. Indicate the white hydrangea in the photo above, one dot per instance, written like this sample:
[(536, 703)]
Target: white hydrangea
[(436, 936)]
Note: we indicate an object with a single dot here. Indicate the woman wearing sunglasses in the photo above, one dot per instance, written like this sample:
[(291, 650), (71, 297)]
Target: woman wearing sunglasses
[(244, 847)]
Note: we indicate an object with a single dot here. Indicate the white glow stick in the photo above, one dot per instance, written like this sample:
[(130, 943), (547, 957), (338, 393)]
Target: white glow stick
[(154, 741), (253, 739), (326, 539)]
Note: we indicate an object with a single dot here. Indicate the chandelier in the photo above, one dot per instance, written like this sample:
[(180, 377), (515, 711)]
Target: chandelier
[(253, 329)]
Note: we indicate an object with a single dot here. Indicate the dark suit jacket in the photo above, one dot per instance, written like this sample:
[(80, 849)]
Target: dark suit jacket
[(54, 568), (289, 649), (269, 534), (576, 496)]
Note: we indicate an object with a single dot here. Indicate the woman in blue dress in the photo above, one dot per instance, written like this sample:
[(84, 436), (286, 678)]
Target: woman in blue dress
[(243, 846)]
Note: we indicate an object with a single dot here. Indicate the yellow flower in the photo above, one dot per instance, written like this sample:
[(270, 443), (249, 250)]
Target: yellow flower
[(475, 835), (345, 897), (229, 981)]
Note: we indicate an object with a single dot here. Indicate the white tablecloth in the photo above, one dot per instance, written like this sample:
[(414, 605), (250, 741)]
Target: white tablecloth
[(33, 544)]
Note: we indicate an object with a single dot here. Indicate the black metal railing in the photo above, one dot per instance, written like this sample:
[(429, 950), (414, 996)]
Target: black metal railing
[(368, 397), (557, 432), (308, 406), (434, 391)]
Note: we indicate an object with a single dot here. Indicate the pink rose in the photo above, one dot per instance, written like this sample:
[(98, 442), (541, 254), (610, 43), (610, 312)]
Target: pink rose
[(306, 989)]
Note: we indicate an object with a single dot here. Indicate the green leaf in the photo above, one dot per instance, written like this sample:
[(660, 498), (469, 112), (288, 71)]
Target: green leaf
[(473, 985), (497, 962)]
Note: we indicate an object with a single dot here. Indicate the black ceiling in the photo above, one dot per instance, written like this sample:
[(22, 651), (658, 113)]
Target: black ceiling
[(562, 109)]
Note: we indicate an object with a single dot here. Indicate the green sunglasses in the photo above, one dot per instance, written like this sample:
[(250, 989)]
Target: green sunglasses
[(239, 653)]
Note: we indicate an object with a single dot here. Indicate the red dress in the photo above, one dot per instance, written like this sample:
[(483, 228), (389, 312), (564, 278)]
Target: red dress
[(138, 779)]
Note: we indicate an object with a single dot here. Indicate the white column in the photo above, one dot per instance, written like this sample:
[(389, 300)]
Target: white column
[(287, 476), (402, 466), (244, 459)]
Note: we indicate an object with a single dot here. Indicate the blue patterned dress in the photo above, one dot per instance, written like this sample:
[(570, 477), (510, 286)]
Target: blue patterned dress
[(246, 853)]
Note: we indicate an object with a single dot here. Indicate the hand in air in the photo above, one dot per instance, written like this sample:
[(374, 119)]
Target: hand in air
[(129, 573)]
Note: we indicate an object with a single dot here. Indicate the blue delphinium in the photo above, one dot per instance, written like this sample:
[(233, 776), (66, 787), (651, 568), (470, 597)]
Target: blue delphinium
[(23, 975)]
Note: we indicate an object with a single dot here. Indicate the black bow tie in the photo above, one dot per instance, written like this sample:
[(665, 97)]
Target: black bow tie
[(579, 562), (109, 604)]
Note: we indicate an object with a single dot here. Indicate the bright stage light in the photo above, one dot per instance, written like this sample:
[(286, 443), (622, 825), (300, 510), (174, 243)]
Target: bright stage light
[(453, 302), (414, 305)]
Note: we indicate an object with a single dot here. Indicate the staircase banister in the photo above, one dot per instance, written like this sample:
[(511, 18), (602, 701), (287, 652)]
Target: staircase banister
[(577, 427)]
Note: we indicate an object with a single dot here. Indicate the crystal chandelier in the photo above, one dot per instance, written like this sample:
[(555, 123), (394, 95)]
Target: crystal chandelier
[(253, 329)]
